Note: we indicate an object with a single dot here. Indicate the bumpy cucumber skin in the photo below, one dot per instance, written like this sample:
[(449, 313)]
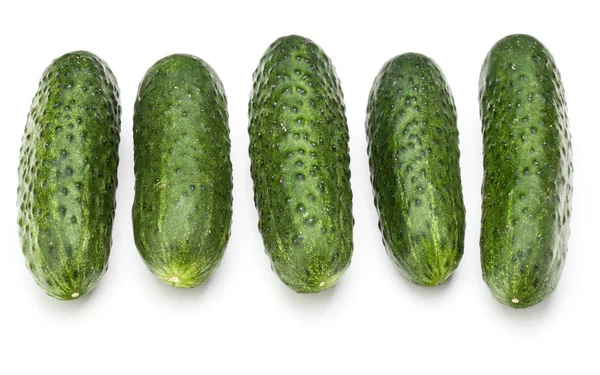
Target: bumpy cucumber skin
[(414, 161), (183, 175), (68, 175), (528, 172), (301, 165)]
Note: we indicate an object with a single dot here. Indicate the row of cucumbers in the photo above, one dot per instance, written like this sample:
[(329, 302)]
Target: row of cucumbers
[(300, 169)]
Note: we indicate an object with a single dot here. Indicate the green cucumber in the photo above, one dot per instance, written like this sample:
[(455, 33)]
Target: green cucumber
[(183, 175), (301, 165), (68, 175), (528, 171), (414, 161)]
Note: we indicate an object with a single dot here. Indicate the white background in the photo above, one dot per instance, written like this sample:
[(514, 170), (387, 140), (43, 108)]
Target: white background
[(244, 319)]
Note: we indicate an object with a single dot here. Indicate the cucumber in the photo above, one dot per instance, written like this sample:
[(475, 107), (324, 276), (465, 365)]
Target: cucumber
[(183, 176), (68, 175), (414, 161), (528, 172), (300, 165)]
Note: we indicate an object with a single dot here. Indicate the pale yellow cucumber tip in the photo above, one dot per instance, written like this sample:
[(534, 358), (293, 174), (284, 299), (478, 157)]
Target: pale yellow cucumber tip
[(75, 295), (515, 300), (322, 283), (174, 279)]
